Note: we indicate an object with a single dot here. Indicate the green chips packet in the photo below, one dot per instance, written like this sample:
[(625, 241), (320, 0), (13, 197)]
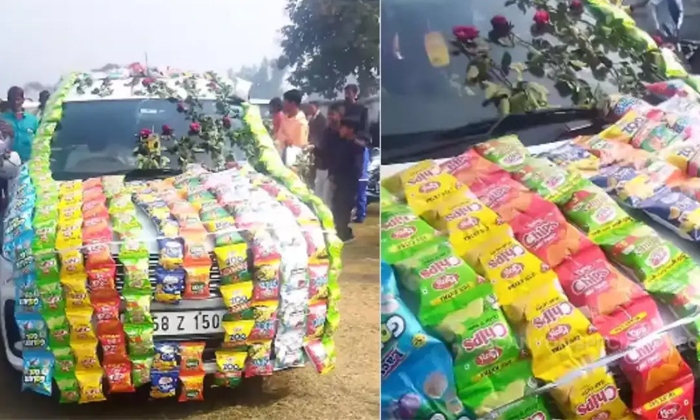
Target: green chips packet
[(592, 210), (68, 385), (140, 339), (553, 183), (403, 233), (507, 152)]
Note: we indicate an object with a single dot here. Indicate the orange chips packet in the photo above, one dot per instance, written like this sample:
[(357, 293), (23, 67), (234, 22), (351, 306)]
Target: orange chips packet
[(515, 274), (508, 198), (559, 336), (470, 167), (593, 285), (673, 401), (591, 397), (544, 231)]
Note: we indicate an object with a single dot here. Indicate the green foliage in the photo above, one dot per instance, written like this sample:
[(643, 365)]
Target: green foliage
[(329, 40)]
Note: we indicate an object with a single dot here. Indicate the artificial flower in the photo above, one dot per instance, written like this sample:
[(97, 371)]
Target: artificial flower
[(166, 130), (181, 107), (541, 17), (576, 6), (659, 41), (465, 33), (195, 127), (226, 121), (145, 133), (501, 25), (147, 81)]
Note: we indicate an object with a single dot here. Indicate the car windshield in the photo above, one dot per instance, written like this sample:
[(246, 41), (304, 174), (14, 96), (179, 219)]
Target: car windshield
[(98, 137), (420, 97)]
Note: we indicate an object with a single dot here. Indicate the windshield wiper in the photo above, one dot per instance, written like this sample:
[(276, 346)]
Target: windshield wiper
[(457, 140), (138, 173)]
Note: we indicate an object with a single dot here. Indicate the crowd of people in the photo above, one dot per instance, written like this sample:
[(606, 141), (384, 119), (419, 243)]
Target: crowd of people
[(339, 142)]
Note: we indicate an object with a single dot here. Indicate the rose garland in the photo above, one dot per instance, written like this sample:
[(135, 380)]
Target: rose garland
[(581, 43)]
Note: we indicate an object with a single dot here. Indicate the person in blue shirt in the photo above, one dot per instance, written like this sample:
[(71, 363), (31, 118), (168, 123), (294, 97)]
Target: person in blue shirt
[(23, 123), (359, 112)]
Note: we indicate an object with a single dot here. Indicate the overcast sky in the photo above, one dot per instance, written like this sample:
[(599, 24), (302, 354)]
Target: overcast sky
[(47, 38)]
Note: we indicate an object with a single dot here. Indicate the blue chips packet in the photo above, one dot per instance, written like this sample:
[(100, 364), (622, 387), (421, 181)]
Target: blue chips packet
[(416, 369), (164, 384), (627, 185), (166, 356), (27, 294), (676, 211), (171, 252), (33, 330), (37, 374), (169, 285)]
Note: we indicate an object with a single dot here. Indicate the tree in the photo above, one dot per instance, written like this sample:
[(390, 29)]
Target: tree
[(266, 77), (328, 40)]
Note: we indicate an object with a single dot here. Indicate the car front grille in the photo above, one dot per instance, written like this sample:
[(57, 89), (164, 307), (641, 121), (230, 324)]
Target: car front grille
[(214, 276)]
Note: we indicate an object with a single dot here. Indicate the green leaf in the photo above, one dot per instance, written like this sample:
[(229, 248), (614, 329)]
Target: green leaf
[(506, 60), (518, 103), (504, 107), (577, 64), (491, 90)]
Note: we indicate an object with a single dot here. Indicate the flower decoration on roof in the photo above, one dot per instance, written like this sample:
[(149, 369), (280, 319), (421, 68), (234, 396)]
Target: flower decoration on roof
[(564, 42), (148, 150)]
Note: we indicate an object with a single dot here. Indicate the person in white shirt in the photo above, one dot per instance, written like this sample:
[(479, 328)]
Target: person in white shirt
[(667, 16)]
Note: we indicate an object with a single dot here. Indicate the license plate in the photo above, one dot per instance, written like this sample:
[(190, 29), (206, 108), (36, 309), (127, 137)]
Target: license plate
[(188, 322)]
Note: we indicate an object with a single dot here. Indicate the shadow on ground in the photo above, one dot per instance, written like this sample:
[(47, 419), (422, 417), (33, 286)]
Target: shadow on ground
[(349, 392)]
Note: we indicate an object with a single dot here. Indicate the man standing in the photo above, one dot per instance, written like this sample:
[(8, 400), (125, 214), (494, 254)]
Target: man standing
[(317, 124), (359, 112), (23, 124), (324, 154), (277, 115), (345, 174), (293, 134)]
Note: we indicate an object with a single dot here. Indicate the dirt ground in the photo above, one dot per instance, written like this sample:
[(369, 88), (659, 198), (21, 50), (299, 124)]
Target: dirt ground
[(350, 392)]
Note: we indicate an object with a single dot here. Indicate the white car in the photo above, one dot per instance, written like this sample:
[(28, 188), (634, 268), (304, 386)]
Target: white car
[(96, 137)]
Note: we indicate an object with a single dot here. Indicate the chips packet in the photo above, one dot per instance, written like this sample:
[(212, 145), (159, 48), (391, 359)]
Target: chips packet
[(163, 384), (140, 339), (544, 231), (676, 211), (192, 388), (508, 198), (90, 382), (593, 211), (507, 152), (551, 182), (113, 341), (573, 158), (259, 362), (237, 297), (141, 370), (64, 361), (594, 286), (470, 167), (424, 197), (233, 263), (68, 386), (438, 281), (169, 285), (138, 307), (638, 248), (403, 234), (673, 401), (191, 357), (37, 374), (627, 184), (119, 377), (230, 366), (80, 320), (559, 337), (592, 396)]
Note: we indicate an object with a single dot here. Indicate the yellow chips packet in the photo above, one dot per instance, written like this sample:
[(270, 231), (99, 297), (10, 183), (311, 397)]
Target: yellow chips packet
[(237, 297), (237, 333), (625, 128), (75, 291), (515, 274), (90, 383), (559, 335), (590, 396), (69, 235), (80, 320), (85, 352), (424, 197)]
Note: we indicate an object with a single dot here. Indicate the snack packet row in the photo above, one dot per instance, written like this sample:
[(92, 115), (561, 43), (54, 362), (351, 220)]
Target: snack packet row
[(654, 365), (270, 160)]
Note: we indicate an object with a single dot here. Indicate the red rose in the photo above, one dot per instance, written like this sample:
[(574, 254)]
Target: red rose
[(145, 133), (147, 81), (180, 107), (501, 26), (576, 6), (167, 130), (226, 121), (465, 33), (659, 41), (195, 127), (541, 17)]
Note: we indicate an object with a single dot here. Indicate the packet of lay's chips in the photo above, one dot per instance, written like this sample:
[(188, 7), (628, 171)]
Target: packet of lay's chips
[(439, 282), (559, 337), (501, 388), (403, 234), (507, 152), (416, 369), (672, 401), (546, 179), (592, 396), (471, 167), (508, 198), (424, 197)]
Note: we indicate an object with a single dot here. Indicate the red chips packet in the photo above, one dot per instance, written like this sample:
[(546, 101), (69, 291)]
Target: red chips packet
[(106, 304), (673, 401), (543, 230), (113, 341), (509, 198), (98, 255), (470, 168), (197, 282), (593, 285), (101, 278), (119, 377)]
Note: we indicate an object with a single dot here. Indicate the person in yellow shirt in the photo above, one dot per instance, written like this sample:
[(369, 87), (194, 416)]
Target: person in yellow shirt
[(293, 134)]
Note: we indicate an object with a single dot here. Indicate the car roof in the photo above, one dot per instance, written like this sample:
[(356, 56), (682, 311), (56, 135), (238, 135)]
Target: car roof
[(125, 84)]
